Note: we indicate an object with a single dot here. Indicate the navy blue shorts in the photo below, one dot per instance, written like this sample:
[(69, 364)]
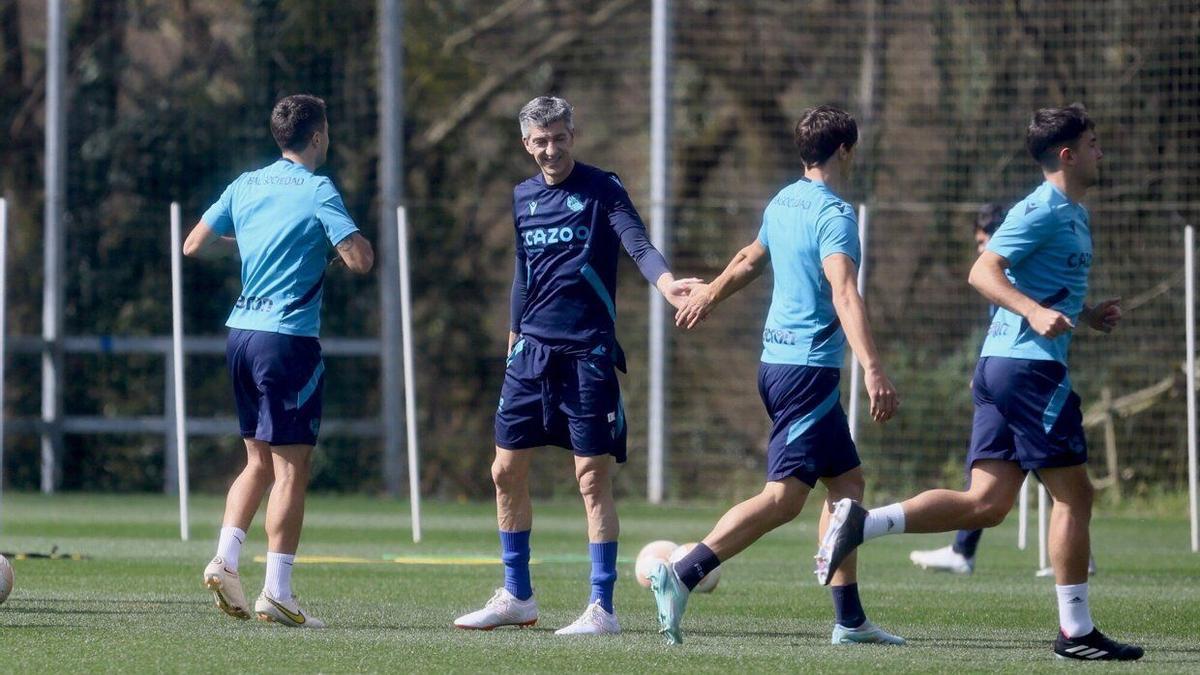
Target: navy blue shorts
[(810, 438), (1025, 412), (550, 398), (277, 383)]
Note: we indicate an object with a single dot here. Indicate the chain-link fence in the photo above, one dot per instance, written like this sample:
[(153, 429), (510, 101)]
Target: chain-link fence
[(169, 101)]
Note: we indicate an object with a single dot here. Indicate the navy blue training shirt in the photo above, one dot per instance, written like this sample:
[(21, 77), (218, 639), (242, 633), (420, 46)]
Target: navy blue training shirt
[(565, 282)]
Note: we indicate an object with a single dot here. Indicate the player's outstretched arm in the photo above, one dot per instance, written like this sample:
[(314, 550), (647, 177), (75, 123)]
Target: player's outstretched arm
[(649, 261), (747, 265), (842, 274), (987, 276), (356, 252)]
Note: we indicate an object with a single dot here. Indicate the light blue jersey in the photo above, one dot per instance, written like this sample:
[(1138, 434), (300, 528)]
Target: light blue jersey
[(1048, 246), (804, 224), (285, 218)]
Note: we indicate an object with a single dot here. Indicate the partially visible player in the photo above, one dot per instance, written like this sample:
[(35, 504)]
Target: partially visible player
[(284, 218), (809, 235), (1027, 418), (560, 383), (959, 557)]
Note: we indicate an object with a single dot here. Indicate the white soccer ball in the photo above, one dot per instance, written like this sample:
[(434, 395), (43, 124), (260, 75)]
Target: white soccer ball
[(6, 579), (709, 582), (650, 555)]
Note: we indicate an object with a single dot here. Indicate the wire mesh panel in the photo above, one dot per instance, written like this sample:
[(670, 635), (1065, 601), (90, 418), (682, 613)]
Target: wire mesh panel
[(943, 92), (170, 101)]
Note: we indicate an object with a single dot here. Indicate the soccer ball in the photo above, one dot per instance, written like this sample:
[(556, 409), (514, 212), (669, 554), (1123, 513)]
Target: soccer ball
[(709, 582), (6, 579), (650, 555)]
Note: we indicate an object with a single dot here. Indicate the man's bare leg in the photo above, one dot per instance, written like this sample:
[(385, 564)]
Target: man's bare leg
[(285, 515), (594, 475), (514, 605), (1070, 545), (993, 490), (514, 516), (778, 503), (221, 575), (243, 500)]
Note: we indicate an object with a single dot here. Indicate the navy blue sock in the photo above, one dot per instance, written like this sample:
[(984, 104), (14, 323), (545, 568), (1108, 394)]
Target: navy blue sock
[(604, 573), (696, 565), (847, 607), (966, 541), (514, 547)]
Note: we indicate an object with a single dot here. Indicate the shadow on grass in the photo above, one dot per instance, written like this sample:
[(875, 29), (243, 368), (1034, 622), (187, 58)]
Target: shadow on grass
[(103, 601), (20, 626), (67, 610)]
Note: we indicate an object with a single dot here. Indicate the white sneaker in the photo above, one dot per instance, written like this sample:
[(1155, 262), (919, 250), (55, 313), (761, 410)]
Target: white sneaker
[(504, 609), (226, 587), (943, 560), (594, 621), (286, 612)]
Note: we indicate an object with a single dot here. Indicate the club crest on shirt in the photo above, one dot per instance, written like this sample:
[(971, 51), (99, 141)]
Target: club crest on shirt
[(575, 203)]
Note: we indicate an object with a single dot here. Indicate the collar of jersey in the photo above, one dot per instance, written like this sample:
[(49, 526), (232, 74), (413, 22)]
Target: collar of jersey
[(562, 184), (1063, 199), (287, 162)]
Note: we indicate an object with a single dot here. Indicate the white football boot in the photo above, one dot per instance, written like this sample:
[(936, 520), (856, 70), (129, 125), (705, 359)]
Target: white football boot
[(226, 587), (504, 609), (943, 560), (285, 612), (594, 621)]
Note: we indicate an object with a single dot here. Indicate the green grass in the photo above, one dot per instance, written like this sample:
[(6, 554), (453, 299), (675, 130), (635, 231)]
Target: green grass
[(136, 603)]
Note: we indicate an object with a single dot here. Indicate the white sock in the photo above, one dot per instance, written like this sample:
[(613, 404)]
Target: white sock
[(883, 520), (279, 575), (1074, 616), (229, 546)]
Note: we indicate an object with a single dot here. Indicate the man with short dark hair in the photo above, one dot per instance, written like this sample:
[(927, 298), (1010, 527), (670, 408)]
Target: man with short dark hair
[(810, 235), (560, 382), (1027, 418), (284, 219)]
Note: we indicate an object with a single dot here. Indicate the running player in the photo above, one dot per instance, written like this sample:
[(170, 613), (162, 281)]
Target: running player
[(810, 235), (1026, 416), (560, 384), (284, 219)]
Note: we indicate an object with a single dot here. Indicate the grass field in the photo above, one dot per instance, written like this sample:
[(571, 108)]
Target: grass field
[(136, 603)]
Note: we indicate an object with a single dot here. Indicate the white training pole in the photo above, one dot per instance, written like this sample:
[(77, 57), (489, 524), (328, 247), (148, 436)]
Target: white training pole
[(855, 376), (1043, 522), (1023, 516), (660, 235), (3, 339), (410, 384), (1189, 275), (177, 362), (54, 241)]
